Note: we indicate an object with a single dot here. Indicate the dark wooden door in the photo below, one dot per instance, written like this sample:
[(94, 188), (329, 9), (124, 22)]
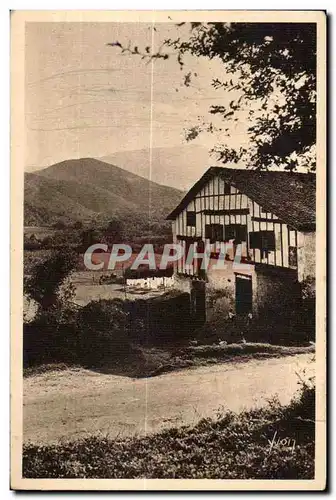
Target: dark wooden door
[(243, 294)]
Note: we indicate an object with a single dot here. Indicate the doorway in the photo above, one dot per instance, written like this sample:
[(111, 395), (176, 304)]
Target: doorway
[(243, 294)]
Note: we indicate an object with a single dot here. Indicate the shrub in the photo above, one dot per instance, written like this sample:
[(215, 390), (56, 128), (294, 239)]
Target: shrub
[(47, 277), (31, 243), (95, 335), (52, 336), (103, 332)]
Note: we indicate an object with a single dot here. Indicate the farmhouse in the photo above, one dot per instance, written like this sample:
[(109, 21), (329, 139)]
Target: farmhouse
[(269, 216)]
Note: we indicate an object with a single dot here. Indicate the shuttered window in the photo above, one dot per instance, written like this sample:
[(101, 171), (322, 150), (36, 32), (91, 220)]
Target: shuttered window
[(255, 240), (191, 219), (214, 232), (264, 240), (236, 232)]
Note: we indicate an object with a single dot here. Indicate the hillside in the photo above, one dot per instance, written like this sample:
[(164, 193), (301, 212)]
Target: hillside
[(86, 189), (178, 167)]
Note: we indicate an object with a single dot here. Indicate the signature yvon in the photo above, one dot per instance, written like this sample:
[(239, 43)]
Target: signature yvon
[(281, 443)]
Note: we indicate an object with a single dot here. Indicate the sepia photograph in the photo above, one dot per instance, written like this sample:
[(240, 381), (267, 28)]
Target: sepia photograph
[(168, 250)]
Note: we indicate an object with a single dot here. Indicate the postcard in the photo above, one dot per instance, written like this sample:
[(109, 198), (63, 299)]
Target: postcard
[(168, 250)]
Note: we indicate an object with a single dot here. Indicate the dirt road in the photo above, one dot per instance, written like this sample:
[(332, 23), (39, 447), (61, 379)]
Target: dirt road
[(75, 403)]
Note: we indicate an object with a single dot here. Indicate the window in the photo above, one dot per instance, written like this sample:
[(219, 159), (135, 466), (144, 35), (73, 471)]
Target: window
[(267, 240), (292, 257), (227, 188), (255, 240), (214, 232), (236, 232), (191, 219), (264, 240)]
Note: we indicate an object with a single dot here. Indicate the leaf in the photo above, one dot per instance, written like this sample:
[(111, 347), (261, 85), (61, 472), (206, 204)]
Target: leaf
[(115, 44)]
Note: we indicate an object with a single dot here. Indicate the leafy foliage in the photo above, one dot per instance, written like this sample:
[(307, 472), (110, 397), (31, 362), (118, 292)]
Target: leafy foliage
[(271, 70), (48, 276), (63, 332), (114, 231), (90, 236), (103, 332)]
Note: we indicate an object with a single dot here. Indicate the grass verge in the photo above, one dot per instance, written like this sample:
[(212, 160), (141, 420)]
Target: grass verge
[(203, 355), (153, 361)]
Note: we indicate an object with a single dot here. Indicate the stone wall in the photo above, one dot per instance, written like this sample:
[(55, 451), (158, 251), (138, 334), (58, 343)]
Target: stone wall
[(278, 299), (160, 319), (306, 255), (220, 290)]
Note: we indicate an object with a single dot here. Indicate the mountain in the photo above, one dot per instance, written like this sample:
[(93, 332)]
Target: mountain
[(178, 167), (87, 189)]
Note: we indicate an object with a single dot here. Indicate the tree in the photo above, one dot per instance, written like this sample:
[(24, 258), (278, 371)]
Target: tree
[(78, 225), (47, 277), (115, 231), (272, 68), (89, 237), (59, 225)]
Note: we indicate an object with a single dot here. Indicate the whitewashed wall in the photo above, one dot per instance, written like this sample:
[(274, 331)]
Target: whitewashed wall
[(151, 283)]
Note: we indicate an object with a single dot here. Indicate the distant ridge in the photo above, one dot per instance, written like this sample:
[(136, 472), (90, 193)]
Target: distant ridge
[(178, 167), (89, 189)]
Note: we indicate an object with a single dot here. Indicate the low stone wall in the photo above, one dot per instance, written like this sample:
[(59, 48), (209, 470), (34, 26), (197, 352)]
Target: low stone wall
[(160, 319)]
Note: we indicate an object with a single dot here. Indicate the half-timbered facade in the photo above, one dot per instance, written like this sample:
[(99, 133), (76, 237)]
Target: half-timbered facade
[(269, 217)]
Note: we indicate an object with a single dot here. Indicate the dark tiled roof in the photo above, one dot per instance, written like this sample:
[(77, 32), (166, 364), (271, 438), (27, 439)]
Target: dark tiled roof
[(290, 196)]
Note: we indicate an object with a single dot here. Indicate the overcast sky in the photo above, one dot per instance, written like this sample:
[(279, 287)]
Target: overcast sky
[(85, 99)]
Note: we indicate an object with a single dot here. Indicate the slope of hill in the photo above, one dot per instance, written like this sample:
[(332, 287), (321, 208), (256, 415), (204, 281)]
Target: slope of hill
[(178, 167), (87, 189)]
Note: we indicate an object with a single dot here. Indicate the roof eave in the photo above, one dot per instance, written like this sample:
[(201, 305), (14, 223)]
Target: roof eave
[(198, 185)]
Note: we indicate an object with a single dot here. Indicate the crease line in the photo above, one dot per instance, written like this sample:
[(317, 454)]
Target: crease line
[(149, 190)]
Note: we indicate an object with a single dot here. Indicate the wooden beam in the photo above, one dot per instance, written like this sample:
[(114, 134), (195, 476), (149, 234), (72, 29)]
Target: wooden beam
[(265, 219), (253, 230), (191, 239), (282, 246), (232, 211)]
